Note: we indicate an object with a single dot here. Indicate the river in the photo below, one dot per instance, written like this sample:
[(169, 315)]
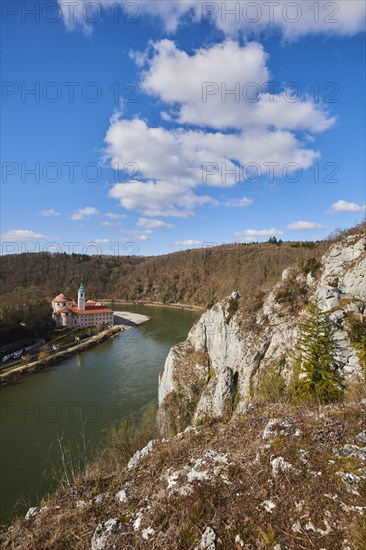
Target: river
[(86, 394)]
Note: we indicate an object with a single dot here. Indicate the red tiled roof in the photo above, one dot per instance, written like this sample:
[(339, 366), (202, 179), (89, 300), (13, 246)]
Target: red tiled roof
[(63, 310), (91, 310), (61, 298), (87, 311)]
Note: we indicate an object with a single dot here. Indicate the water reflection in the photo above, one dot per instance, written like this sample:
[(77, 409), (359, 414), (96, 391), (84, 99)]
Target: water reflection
[(104, 384)]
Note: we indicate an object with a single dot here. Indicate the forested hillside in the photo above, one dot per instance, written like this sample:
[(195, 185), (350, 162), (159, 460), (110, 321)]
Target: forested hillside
[(199, 276)]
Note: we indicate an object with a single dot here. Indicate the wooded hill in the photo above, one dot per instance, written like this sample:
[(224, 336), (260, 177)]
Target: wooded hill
[(199, 276)]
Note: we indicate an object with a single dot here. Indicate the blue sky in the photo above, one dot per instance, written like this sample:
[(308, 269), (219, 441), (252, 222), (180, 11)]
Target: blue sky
[(147, 89)]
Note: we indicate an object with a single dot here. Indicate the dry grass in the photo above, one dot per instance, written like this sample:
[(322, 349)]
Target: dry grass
[(230, 497)]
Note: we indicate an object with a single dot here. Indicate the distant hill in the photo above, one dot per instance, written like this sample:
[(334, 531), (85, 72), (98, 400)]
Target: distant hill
[(198, 276)]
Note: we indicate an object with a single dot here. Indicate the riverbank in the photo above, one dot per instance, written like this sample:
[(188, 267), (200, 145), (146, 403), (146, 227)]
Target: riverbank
[(79, 401), (18, 372), (129, 319), (188, 307)]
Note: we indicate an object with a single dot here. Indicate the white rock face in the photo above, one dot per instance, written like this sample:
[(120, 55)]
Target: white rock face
[(32, 512), (139, 455), (344, 271), (234, 355), (208, 540), (121, 496), (104, 537)]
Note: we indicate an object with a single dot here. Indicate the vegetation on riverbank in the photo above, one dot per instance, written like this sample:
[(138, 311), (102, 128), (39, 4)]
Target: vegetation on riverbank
[(44, 360), (25, 314)]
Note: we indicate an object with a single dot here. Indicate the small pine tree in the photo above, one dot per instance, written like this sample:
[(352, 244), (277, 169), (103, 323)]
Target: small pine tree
[(317, 373)]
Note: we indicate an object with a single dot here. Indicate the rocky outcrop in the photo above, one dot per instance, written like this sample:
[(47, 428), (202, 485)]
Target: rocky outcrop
[(278, 477), (211, 374)]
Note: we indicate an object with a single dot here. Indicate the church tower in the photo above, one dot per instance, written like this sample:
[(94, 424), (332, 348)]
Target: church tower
[(81, 297)]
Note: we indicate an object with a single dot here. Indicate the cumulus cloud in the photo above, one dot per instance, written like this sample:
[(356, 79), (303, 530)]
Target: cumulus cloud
[(50, 212), (102, 241), (152, 223), (305, 226), (244, 136), (171, 163), (345, 206), (188, 242), (84, 212), (160, 198), (22, 235), (292, 19), (258, 234), (238, 203), (143, 235), (227, 88)]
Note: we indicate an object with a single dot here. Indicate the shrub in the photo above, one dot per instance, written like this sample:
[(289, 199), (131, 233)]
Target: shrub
[(292, 294), (271, 387), (43, 356), (309, 265), (232, 308)]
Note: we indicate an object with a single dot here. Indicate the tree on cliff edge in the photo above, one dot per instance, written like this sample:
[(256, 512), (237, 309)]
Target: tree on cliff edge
[(317, 373)]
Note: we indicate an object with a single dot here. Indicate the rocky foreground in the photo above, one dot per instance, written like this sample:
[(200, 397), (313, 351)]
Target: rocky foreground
[(279, 477)]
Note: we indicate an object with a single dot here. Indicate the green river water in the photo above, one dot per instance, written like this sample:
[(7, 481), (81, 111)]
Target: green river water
[(110, 382)]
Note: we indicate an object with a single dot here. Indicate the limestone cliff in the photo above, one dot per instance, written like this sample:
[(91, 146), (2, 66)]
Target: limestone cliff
[(212, 373)]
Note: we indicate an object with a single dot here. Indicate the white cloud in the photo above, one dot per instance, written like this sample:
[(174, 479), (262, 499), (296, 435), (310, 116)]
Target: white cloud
[(50, 212), (345, 206), (258, 234), (172, 163), (22, 235), (293, 19), (305, 226), (84, 212), (107, 224), (112, 216), (238, 203), (152, 223), (102, 241), (138, 235), (206, 98), (158, 198), (141, 235), (188, 242)]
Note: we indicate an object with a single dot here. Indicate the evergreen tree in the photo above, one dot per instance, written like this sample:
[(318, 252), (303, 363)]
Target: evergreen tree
[(317, 372)]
